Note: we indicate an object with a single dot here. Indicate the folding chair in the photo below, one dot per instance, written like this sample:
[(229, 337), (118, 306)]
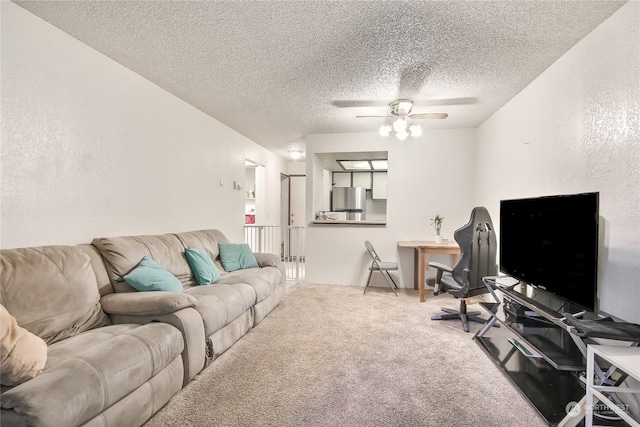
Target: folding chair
[(382, 267)]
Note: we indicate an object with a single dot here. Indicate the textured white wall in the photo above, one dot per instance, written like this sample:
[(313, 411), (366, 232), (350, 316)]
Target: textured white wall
[(429, 175), (576, 128), (91, 149)]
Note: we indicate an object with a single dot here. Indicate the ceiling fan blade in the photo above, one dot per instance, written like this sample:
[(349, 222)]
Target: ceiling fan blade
[(412, 79), (379, 117), (416, 103), (429, 116), (445, 101)]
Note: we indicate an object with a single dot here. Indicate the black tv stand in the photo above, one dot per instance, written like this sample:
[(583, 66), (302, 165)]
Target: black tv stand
[(542, 359)]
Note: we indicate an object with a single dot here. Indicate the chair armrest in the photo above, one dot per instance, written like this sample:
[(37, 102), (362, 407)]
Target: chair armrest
[(146, 303), (440, 266), (267, 259)]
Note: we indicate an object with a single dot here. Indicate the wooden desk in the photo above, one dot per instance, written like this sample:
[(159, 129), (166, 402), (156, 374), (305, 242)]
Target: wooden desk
[(422, 248)]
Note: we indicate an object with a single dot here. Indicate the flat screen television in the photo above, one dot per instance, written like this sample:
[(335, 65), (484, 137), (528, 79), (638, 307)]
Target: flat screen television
[(551, 243)]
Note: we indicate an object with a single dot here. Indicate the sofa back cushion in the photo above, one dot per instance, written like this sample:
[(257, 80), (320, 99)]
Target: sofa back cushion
[(207, 240), (104, 283), (122, 254), (51, 291)]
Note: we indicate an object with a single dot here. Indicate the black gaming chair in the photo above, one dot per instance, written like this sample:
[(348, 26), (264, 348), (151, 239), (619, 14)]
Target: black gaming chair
[(478, 245)]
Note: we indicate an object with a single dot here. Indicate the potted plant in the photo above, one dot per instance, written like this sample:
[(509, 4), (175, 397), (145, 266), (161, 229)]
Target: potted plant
[(437, 222)]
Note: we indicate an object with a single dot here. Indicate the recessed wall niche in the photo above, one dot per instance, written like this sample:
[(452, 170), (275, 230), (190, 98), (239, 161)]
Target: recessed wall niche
[(355, 169)]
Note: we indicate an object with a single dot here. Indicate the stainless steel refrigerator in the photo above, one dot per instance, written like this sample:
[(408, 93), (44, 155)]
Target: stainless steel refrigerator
[(351, 200)]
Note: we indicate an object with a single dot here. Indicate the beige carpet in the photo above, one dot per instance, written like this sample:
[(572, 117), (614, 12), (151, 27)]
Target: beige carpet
[(329, 356)]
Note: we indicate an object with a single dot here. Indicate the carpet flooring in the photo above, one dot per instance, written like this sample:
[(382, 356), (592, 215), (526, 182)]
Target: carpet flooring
[(331, 356)]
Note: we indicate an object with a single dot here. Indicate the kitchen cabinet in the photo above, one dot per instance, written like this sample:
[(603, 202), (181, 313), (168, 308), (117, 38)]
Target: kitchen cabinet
[(342, 179), (379, 185), (374, 181), (362, 179)]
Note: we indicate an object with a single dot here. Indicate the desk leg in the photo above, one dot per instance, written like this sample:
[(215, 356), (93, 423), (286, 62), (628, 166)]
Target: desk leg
[(421, 273), (416, 268)]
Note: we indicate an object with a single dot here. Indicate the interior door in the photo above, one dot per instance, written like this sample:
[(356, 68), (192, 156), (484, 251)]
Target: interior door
[(284, 200), (297, 215)]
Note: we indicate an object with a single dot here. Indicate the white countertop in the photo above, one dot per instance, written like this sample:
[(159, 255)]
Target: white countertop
[(347, 222)]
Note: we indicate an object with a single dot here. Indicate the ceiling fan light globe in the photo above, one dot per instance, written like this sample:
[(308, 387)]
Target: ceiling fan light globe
[(295, 154), (385, 130), (402, 135), (416, 130), (400, 125)]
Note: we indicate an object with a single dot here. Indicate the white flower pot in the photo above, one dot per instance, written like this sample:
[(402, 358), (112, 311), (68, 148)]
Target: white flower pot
[(438, 239)]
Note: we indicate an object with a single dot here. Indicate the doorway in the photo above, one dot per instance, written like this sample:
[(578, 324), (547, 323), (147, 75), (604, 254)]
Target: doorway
[(292, 220), (293, 214), (254, 196)]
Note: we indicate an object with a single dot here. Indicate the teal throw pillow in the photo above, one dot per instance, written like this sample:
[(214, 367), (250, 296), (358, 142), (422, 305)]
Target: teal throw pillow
[(202, 267), (236, 256), (149, 276)]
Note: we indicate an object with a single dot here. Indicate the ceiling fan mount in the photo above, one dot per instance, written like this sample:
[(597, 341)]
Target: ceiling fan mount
[(401, 107)]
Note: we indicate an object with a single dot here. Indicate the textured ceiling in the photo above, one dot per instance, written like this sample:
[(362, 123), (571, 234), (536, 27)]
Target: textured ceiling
[(276, 71)]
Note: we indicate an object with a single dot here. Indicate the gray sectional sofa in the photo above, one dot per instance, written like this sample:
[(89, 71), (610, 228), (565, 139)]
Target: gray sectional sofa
[(116, 355)]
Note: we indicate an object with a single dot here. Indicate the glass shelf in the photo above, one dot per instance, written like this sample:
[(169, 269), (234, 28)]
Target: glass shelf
[(553, 342), (551, 381), (547, 389)]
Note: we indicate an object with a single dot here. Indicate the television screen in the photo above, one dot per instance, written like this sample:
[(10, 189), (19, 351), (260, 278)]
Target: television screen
[(552, 243)]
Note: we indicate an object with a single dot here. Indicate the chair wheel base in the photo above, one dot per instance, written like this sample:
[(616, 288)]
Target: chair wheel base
[(464, 317)]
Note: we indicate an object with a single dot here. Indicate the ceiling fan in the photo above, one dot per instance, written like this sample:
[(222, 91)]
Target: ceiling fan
[(401, 108)]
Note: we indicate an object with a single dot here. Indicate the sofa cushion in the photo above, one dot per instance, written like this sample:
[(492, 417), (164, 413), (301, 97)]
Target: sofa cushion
[(104, 365), (236, 256), (149, 276), (51, 291), (263, 280), (122, 254), (22, 354), (220, 305), (202, 266)]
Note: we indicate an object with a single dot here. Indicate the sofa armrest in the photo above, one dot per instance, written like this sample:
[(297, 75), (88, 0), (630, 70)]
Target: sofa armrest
[(173, 308), (146, 303), (272, 260), (267, 259)]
